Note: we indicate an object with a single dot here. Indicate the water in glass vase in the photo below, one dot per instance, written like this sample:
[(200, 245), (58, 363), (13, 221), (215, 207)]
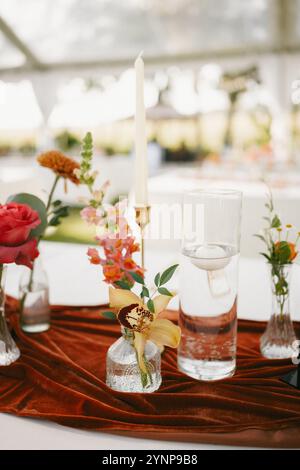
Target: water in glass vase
[(35, 317), (122, 371), (208, 311), (34, 299)]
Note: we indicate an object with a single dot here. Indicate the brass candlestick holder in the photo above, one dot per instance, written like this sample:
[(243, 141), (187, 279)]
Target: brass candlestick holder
[(142, 218)]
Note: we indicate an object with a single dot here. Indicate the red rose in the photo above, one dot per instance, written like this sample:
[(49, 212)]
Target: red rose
[(16, 222)]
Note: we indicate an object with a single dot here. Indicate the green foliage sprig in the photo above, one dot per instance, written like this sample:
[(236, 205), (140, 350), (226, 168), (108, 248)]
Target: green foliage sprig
[(58, 212), (86, 175), (279, 252)]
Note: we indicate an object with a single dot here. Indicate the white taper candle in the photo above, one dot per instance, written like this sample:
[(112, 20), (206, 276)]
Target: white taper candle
[(141, 164)]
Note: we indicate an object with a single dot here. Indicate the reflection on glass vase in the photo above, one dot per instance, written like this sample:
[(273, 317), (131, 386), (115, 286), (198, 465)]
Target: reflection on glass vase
[(9, 352), (278, 339), (34, 299), (122, 371)]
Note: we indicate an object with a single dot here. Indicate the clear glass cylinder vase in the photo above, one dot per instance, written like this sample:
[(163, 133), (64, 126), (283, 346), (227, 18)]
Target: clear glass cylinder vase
[(34, 299), (208, 286), (122, 370), (9, 352), (278, 340)]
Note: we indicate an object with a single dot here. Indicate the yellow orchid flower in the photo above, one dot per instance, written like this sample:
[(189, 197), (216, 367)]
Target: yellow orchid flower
[(135, 315)]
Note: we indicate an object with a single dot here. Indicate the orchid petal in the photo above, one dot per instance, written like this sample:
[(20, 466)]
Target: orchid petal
[(161, 302), (164, 333), (119, 298)]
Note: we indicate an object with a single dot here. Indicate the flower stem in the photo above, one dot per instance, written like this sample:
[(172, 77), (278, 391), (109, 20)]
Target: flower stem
[(52, 192)]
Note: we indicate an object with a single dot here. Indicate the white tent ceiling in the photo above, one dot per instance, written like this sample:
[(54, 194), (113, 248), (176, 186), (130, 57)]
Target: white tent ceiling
[(56, 34)]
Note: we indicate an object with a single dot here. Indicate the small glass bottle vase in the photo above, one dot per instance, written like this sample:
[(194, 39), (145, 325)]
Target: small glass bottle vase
[(122, 370), (34, 299), (9, 352), (278, 340)]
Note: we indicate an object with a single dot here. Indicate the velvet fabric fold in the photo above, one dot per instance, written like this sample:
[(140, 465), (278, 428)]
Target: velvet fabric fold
[(60, 377)]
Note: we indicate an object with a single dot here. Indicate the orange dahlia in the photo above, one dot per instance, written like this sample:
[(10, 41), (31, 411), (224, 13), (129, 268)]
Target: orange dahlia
[(60, 164)]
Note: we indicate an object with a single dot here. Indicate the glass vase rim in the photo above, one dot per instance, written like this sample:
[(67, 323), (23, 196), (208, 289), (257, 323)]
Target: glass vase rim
[(213, 192)]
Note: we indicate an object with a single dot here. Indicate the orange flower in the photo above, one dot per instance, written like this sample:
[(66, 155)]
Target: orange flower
[(129, 264), (292, 246), (140, 271), (94, 256), (134, 247), (112, 273), (60, 164)]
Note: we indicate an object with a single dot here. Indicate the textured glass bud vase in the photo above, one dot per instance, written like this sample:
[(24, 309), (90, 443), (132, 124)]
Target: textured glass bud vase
[(278, 340), (122, 370), (9, 352), (34, 299)]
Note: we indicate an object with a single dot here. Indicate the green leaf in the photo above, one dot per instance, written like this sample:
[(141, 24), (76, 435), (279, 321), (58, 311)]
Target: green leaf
[(62, 211), (283, 252), (266, 256), (122, 285), (145, 292), (150, 305), (144, 378), (109, 315), (157, 279), (275, 222), (261, 237), (54, 221), (137, 277), (56, 203), (36, 204), (164, 291), (167, 274)]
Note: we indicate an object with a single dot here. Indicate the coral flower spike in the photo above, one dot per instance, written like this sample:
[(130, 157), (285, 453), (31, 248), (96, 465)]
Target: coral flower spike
[(134, 315)]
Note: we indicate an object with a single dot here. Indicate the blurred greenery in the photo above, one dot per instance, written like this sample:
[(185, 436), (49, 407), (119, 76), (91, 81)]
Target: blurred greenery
[(67, 141), (72, 230)]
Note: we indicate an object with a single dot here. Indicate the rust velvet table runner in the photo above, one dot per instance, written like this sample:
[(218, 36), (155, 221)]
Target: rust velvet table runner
[(60, 377)]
